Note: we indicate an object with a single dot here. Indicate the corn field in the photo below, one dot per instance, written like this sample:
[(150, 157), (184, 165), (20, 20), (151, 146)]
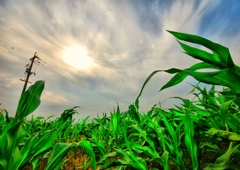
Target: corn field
[(202, 134)]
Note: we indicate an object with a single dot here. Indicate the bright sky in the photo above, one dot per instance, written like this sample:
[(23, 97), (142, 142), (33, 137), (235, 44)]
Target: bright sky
[(99, 53)]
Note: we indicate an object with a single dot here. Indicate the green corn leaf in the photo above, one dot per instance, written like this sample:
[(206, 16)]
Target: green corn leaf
[(178, 78), (153, 154), (144, 135), (11, 139), (14, 133), (30, 100), (212, 59), (89, 149), (224, 110), (134, 113), (82, 124), (102, 129), (27, 148), (115, 123), (3, 146), (139, 148), (135, 162), (7, 118), (234, 120), (220, 59), (222, 166), (125, 155), (35, 163), (60, 150), (159, 132), (205, 77), (170, 71), (97, 142), (187, 102), (230, 79), (111, 164), (189, 140), (224, 78), (212, 146), (181, 75), (170, 129), (111, 154), (221, 51), (85, 164), (165, 157), (139, 165), (200, 112), (39, 144), (173, 148), (232, 149), (225, 134)]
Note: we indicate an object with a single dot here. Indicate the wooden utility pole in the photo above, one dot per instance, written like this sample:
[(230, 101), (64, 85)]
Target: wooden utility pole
[(28, 71)]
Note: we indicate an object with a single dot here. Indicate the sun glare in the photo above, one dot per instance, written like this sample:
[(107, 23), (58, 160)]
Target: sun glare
[(77, 57)]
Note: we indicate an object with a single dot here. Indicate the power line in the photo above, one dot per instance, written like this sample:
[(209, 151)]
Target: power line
[(12, 78), (74, 80), (80, 82), (18, 63), (70, 103), (65, 75), (12, 62)]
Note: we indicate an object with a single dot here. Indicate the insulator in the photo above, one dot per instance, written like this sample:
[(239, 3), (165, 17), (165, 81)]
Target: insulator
[(27, 70)]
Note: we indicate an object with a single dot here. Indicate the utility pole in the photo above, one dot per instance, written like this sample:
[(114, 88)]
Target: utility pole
[(34, 59), (28, 71)]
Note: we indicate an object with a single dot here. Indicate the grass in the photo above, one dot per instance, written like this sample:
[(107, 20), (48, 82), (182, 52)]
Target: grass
[(202, 134)]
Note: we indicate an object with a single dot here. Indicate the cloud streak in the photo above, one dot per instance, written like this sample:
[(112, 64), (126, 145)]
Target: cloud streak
[(126, 40)]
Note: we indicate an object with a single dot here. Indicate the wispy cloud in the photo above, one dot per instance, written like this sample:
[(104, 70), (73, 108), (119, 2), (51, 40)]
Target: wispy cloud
[(126, 39)]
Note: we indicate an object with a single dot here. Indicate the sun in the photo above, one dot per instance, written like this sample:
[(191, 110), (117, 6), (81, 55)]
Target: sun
[(77, 57)]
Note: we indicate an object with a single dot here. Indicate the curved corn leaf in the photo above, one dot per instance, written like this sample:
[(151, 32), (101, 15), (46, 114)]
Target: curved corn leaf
[(222, 166), (39, 144), (210, 145), (111, 154), (223, 78), (225, 134), (12, 138), (174, 147), (178, 78), (232, 149), (30, 100), (14, 133), (60, 150), (189, 140), (203, 55), (85, 144), (224, 110), (134, 113), (35, 163), (234, 121), (115, 123), (171, 71), (223, 56)]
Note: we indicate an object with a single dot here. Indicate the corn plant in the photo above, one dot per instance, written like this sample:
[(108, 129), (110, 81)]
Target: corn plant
[(226, 74), (12, 156), (202, 134)]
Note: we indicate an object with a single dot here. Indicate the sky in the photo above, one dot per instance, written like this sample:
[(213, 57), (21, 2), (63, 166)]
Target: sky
[(97, 54)]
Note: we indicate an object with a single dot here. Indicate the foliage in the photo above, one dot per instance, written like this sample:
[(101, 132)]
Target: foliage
[(202, 134)]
